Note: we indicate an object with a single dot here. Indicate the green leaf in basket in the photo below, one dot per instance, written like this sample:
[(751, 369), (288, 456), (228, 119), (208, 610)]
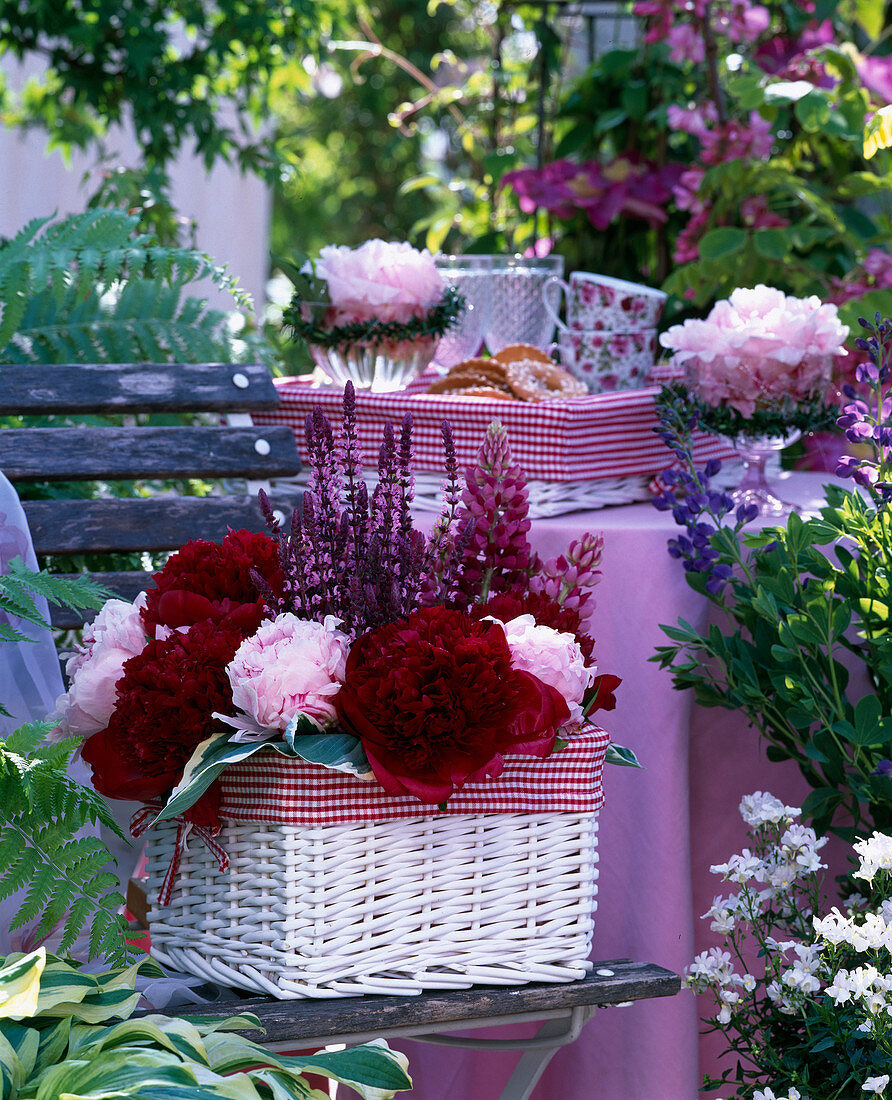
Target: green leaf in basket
[(203, 767), (623, 757), (339, 751)]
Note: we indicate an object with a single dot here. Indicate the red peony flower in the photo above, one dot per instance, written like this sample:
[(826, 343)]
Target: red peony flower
[(436, 702), (545, 710), (207, 580), (166, 699)]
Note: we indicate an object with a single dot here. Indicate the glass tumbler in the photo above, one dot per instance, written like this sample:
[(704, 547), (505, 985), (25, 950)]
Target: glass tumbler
[(472, 277), (518, 314)]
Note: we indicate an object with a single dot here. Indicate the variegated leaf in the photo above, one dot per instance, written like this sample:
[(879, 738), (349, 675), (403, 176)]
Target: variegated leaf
[(203, 767), (20, 979), (339, 751), (12, 1072), (25, 1041)]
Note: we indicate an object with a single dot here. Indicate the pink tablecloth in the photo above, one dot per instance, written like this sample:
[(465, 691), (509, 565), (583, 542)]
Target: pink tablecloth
[(659, 831)]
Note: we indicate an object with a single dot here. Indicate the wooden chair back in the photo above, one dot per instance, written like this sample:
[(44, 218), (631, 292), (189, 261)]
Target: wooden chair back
[(219, 447)]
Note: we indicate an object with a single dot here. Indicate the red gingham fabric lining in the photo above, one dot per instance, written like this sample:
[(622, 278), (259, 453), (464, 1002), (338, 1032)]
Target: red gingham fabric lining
[(279, 790), (602, 435)]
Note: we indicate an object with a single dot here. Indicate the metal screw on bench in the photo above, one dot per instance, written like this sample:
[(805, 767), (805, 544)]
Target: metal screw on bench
[(240, 380), (261, 446)]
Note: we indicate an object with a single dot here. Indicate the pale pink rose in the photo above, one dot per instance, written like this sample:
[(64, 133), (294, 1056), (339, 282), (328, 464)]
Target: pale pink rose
[(381, 280), (290, 666), (114, 636), (553, 656), (758, 349)]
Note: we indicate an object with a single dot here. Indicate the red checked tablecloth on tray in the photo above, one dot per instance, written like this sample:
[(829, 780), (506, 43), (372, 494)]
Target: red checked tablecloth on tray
[(280, 790), (599, 436)]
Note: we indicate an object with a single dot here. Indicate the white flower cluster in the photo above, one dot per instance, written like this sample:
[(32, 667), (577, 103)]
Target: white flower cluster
[(780, 866), (864, 983), (714, 970), (761, 808), (769, 1094), (875, 854), (808, 960), (797, 981)]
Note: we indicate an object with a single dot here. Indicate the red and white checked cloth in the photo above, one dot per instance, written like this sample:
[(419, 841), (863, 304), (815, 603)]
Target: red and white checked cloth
[(274, 789), (604, 435)]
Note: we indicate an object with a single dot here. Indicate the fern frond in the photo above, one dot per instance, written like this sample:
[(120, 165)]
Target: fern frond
[(54, 283), (19, 866), (27, 739), (74, 592)]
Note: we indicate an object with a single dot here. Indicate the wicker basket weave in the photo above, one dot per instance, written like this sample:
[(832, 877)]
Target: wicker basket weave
[(382, 907), (336, 888)]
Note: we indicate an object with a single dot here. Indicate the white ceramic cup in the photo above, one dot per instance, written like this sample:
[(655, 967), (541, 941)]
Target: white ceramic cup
[(601, 303)]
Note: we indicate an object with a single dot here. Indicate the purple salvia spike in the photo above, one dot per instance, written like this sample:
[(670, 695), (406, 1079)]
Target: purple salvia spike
[(266, 510), (271, 601)]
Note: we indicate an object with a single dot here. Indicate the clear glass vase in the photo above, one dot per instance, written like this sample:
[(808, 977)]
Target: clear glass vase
[(754, 486), (378, 366)]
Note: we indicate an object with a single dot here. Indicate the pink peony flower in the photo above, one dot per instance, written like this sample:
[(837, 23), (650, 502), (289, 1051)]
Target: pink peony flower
[(115, 635), (290, 666), (554, 657), (380, 280), (758, 349)]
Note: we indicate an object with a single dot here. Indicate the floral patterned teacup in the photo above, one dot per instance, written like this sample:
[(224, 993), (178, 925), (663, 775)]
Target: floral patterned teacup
[(608, 361), (601, 303)]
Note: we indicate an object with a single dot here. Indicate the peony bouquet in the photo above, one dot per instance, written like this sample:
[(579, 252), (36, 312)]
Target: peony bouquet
[(371, 315), (760, 362), (349, 639)]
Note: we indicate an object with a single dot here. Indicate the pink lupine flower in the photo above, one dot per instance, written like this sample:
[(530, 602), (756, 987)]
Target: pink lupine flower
[(497, 556), (570, 578)]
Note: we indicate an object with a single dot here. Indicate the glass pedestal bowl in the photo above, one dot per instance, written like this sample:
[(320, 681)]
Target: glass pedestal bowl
[(378, 366)]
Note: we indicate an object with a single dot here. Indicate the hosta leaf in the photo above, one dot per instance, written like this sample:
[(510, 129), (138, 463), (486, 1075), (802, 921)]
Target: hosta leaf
[(622, 756), (20, 985), (203, 767)]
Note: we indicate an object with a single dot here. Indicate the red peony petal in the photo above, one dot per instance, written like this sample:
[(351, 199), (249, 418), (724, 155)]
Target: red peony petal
[(116, 775), (603, 687), (545, 711), (176, 608), (432, 793)]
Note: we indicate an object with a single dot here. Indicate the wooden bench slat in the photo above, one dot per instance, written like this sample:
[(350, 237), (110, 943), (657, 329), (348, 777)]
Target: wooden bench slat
[(86, 454), (287, 1020), (144, 523), (143, 387)]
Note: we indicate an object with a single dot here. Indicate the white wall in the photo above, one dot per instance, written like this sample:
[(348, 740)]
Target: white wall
[(232, 211)]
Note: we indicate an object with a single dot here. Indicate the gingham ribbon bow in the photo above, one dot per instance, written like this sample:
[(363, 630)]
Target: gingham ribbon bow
[(142, 820)]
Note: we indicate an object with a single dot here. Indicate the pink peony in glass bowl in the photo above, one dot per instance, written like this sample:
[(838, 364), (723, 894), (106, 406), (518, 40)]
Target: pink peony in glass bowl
[(758, 368), (372, 362), (372, 315)]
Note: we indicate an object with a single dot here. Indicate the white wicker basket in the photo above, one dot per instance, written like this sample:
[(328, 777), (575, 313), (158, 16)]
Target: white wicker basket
[(439, 902)]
